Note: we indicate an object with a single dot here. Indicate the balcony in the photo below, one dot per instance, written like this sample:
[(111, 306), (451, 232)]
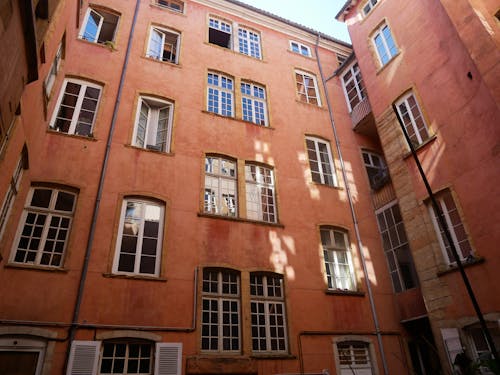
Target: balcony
[(362, 119), (383, 195)]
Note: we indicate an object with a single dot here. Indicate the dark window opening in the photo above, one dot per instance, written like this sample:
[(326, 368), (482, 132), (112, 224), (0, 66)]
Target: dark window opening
[(219, 38)]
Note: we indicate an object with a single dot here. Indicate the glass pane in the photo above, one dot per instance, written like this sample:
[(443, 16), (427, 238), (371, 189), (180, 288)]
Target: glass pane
[(41, 198), (65, 201)]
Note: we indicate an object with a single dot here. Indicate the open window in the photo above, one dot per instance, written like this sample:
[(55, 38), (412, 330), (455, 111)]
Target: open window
[(99, 26), (219, 33), (163, 45)]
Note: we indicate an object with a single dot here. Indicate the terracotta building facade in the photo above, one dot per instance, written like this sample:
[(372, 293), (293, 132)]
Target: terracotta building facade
[(201, 187)]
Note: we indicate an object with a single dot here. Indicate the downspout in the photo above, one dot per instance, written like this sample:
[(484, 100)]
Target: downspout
[(353, 214), (93, 226)]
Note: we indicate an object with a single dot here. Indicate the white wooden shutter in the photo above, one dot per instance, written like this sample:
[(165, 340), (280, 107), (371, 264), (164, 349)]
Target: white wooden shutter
[(83, 358), (452, 343), (168, 359)]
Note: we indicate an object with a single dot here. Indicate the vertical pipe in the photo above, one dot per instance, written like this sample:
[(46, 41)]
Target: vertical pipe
[(353, 215), (88, 250)]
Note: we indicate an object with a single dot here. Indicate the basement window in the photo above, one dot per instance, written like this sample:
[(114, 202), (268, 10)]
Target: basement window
[(219, 33), (99, 26)]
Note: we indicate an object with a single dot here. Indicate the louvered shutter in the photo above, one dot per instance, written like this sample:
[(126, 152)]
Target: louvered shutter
[(83, 358), (452, 343), (168, 359)]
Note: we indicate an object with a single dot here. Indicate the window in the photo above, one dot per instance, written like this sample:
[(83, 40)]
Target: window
[(267, 313), (260, 193), (76, 107), (163, 45), (249, 43), (13, 189), (307, 88), (300, 48), (396, 248), (377, 171), (384, 44), (455, 226), (354, 87), (479, 345), (412, 118), (220, 186), (219, 33), (125, 357), (22, 355), (354, 358), (367, 8), (220, 94), (44, 228), (176, 5), (54, 69), (99, 26), (139, 242), (253, 103), (220, 326), (153, 124), (341, 58), (338, 263), (320, 161)]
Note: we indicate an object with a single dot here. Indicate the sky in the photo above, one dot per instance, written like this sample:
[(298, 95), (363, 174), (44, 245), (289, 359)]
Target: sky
[(316, 14)]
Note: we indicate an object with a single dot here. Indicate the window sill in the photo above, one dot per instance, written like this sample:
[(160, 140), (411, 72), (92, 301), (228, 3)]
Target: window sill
[(382, 67), (167, 63), (340, 292), (110, 47), (272, 356), (235, 52), (82, 137), (134, 277), (334, 187), (238, 219), (249, 123), (311, 105), (35, 267), (451, 268), (148, 150), (421, 146), (173, 11)]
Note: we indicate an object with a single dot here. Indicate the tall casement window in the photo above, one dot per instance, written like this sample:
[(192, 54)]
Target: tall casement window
[(354, 358), (249, 43), (163, 45), (99, 26), (125, 356), (300, 48), (261, 204), (253, 103), (44, 227), (54, 69), (219, 33), (455, 226), (175, 5), (220, 320), (220, 94), (337, 256), (153, 124), (354, 87), (396, 248), (307, 88), (76, 107), (220, 186), (320, 161), (268, 313), (377, 171), (412, 118), (384, 44), (139, 242)]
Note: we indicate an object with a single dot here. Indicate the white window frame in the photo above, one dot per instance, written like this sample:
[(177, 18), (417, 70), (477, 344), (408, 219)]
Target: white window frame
[(353, 367), (253, 45), (321, 163), (368, 6), (450, 260), (221, 298), (19, 344), (174, 48), (254, 101), (300, 48), (140, 237), (380, 169), (126, 358), (78, 106), (221, 205), (54, 69), (219, 91), (359, 86), (221, 25), (417, 139), (256, 186), (154, 106), (305, 94), (49, 212), (385, 45), (334, 281), (270, 302), (169, 6), (97, 11)]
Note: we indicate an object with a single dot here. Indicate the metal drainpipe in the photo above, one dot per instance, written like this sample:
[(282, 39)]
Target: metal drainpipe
[(90, 240), (353, 214)]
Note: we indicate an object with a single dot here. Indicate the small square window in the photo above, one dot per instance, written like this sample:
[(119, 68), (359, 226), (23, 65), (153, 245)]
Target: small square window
[(300, 48), (219, 33), (176, 5), (163, 45), (99, 26)]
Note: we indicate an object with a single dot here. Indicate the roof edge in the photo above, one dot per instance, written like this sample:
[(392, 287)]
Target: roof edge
[(342, 10)]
